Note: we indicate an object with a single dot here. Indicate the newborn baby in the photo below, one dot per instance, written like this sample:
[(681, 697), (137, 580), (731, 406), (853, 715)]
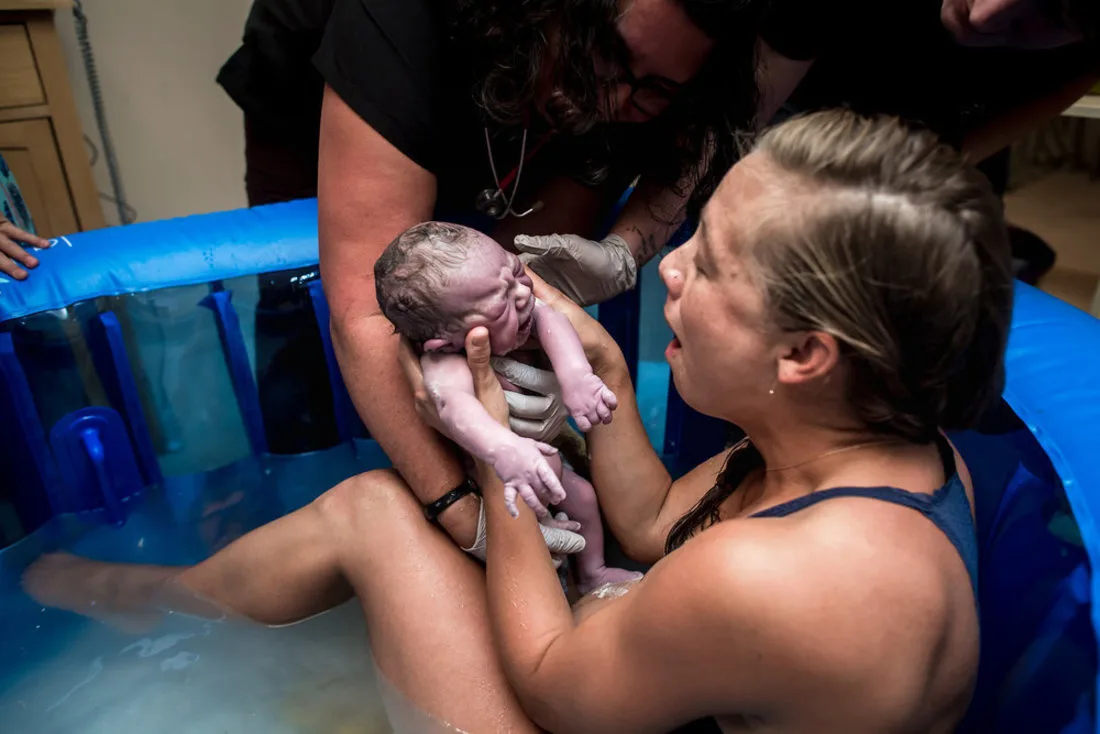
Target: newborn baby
[(435, 283)]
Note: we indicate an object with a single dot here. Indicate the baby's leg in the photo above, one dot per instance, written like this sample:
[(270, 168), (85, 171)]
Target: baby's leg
[(581, 505)]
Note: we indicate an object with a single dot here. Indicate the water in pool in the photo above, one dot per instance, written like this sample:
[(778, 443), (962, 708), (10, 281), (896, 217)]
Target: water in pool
[(61, 673)]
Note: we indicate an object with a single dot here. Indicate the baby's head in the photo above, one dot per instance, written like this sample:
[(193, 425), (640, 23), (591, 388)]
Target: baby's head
[(437, 281)]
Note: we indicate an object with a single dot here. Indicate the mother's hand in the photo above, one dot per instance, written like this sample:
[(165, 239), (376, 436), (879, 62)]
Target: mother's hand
[(486, 385)]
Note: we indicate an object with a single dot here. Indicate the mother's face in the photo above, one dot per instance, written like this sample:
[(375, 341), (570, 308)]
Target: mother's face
[(725, 352)]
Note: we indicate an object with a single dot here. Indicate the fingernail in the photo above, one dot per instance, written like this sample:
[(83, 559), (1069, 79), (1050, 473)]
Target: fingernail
[(20, 275)]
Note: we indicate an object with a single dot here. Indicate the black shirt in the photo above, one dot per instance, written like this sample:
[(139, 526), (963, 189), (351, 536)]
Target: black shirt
[(270, 76), (897, 58), (395, 64)]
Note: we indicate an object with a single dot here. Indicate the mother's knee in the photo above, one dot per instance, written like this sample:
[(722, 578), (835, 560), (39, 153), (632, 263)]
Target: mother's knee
[(372, 498)]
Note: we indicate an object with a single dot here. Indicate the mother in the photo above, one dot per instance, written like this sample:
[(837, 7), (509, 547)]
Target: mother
[(846, 297)]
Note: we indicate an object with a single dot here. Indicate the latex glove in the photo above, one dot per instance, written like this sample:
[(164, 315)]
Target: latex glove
[(560, 536), (587, 272), (540, 416)]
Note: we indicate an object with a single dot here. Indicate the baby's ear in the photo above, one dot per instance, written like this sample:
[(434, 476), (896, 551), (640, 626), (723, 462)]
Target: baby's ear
[(438, 345)]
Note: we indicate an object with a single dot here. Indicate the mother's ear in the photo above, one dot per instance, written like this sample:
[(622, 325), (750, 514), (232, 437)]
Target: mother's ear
[(806, 356)]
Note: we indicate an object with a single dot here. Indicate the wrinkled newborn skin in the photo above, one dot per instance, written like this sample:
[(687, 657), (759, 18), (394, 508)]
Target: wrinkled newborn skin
[(491, 289)]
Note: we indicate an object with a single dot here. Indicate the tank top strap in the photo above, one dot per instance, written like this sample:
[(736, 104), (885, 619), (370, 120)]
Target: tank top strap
[(948, 508)]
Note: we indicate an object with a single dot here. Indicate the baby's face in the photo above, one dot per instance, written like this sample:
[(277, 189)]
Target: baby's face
[(494, 291)]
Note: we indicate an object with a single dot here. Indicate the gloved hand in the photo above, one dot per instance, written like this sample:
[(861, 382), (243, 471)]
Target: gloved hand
[(559, 539), (587, 272), (539, 417)]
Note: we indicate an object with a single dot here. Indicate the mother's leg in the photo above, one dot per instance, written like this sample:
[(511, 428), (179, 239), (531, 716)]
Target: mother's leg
[(425, 604), (424, 599), (280, 573)]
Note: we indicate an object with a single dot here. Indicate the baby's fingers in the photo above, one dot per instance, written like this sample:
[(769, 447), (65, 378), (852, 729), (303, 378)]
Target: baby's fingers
[(562, 521), (552, 483), (531, 499), (510, 500), (583, 423)]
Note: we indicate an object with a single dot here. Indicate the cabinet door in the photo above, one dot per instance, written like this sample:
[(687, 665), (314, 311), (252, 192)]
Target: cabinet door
[(19, 83), (31, 152)]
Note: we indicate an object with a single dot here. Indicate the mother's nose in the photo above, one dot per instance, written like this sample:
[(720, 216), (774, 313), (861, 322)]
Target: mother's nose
[(672, 274)]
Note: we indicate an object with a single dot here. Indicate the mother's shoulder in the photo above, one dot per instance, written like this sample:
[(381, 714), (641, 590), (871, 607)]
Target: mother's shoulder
[(824, 580)]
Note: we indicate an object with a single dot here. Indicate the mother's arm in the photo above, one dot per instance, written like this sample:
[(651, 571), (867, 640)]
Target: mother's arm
[(657, 658), (368, 193), (638, 497)]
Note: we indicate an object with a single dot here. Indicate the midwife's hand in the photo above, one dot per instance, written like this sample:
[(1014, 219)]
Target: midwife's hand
[(560, 537), (587, 272), (12, 252), (541, 416)]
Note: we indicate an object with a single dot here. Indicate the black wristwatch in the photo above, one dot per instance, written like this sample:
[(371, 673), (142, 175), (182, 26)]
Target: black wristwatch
[(435, 509)]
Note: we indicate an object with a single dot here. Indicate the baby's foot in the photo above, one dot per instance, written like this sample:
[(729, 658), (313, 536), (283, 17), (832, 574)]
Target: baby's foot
[(592, 581), (93, 589)]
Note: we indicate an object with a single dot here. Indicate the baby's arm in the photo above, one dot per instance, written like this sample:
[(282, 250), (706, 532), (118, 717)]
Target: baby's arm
[(588, 399), (520, 462)]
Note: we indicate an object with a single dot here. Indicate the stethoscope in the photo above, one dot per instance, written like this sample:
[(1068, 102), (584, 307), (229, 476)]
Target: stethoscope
[(494, 202)]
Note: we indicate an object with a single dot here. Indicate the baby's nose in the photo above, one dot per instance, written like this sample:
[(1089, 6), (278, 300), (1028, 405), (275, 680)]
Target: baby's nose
[(523, 294)]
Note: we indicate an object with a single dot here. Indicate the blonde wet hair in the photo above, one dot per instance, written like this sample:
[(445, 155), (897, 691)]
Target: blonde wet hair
[(899, 250)]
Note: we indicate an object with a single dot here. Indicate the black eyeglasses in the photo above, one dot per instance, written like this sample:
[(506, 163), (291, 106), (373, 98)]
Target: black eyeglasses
[(650, 94)]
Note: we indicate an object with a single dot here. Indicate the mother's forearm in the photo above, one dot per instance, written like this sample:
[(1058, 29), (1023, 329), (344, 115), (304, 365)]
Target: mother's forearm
[(631, 482), (527, 610)]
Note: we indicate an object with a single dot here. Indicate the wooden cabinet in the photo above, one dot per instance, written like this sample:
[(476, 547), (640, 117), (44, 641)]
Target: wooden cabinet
[(40, 133)]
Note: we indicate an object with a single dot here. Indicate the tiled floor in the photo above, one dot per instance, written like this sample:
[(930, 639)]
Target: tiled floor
[(1064, 209)]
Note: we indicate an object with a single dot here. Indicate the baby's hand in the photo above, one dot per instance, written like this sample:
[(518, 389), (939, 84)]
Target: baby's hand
[(522, 466), (589, 401)]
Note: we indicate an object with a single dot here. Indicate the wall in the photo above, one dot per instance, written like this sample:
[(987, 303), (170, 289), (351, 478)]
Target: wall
[(177, 135)]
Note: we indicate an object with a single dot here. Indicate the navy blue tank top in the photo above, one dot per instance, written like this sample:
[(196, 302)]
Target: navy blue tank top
[(947, 508)]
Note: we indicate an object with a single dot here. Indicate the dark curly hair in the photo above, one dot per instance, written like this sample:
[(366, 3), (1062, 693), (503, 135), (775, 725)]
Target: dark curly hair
[(696, 139)]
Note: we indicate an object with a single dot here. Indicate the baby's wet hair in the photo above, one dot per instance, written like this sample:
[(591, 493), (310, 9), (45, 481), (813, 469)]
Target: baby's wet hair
[(412, 272)]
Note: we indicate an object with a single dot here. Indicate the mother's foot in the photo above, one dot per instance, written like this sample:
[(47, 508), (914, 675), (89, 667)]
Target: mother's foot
[(122, 596)]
